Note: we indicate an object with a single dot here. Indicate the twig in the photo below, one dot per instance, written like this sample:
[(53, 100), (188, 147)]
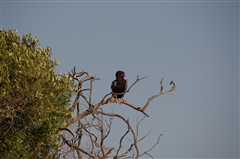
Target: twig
[(80, 149), (120, 142), (158, 94), (146, 152), (137, 80), (138, 123), (129, 126)]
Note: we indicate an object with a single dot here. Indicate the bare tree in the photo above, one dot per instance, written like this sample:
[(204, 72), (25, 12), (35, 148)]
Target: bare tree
[(86, 134)]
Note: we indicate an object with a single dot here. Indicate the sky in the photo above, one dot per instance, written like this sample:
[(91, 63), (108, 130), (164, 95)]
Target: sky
[(194, 43)]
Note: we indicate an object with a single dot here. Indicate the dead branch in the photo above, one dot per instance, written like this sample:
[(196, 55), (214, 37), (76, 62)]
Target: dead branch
[(129, 127), (109, 100), (142, 138), (160, 93), (137, 80), (120, 142), (138, 123), (135, 107), (150, 149), (66, 130), (90, 123), (142, 110), (78, 148)]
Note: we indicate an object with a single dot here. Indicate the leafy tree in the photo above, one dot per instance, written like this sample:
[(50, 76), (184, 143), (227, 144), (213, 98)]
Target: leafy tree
[(34, 99), (37, 120)]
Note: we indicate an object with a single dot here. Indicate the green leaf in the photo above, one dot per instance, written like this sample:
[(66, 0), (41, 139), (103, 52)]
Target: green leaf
[(35, 98)]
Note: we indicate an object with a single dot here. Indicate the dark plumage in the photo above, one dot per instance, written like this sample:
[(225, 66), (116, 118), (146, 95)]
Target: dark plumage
[(119, 85)]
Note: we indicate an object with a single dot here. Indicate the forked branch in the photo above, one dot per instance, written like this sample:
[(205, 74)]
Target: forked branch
[(161, 92), (137, 80), (150, 149), (89, 122)]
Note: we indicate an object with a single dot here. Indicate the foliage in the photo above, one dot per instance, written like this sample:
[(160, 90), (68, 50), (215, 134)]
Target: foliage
[(36, 119), (34, 99)]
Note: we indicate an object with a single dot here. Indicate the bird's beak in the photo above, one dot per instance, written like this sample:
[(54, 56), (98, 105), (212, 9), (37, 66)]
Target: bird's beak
[(123, 75)]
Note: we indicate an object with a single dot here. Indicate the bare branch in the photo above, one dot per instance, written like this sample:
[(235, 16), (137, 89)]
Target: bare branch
[(76, 101), (129, 126), (120, 142), (142, 110), (138, 123), (144, 136), (149, 155), (135, 107), (158, 94), (146, 152), (137, 80), (93, 126), (78, 148), (90, 94), (109, 100), (67, 130)]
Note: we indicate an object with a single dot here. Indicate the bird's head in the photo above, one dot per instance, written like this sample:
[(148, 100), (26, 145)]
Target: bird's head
[(120, 74)]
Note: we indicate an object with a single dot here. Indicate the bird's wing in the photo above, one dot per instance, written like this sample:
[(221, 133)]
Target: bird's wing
[(126, 85), (114, 84)]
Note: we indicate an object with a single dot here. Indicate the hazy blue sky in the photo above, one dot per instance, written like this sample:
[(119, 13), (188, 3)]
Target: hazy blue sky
[(194, 43)]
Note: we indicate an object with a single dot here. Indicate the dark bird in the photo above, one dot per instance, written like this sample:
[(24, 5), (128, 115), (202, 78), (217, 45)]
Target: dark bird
[(119, 85)]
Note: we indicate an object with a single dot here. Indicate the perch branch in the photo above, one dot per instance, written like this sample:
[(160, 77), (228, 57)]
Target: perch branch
[(135, 107)]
